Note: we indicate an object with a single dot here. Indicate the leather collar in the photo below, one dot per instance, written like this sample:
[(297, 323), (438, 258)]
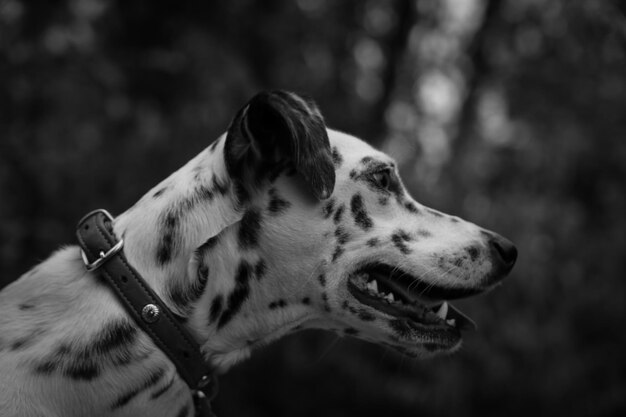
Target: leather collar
[(103, 252)]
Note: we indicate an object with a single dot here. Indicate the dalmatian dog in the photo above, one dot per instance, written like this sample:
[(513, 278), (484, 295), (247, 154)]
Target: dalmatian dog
[(280, 224)]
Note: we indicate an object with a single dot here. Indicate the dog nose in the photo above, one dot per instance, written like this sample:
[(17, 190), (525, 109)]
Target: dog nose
[(504, 252)]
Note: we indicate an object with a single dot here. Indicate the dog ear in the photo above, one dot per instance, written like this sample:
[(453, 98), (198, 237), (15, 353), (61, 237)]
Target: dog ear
[(277, 128)]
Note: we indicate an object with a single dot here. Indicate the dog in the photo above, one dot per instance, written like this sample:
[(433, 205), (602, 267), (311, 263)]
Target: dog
[(281, 224)]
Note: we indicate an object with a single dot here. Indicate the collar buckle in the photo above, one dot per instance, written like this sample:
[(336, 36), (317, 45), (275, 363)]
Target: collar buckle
[(102, 256)]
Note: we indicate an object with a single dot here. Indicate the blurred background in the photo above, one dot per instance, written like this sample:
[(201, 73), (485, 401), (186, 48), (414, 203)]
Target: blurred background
[(510, 114)]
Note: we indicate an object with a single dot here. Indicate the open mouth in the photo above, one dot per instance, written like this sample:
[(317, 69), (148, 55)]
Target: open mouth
[(401, 295)]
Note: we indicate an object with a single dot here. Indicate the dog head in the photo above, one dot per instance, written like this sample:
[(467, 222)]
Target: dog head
[(330, 238)]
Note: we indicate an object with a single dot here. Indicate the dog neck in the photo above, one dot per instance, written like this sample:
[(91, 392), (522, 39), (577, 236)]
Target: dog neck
[(168, 223), (164, 231)]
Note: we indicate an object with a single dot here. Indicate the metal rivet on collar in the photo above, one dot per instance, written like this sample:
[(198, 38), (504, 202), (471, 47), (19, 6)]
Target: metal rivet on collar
[(150, 313)]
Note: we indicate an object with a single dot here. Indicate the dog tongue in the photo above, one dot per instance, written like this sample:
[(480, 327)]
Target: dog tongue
[(462, 321)]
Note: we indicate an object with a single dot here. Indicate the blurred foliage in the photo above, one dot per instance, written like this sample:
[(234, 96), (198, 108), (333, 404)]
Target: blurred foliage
[(508, 113)]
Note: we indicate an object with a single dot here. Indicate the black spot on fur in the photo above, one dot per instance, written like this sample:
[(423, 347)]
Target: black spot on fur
[(373, 242), (277, 205), (399, 239), (26, 306), (19, 343), (366, 160), (28, 340), (411, 207), (159, 192), (341, 235), (383, 200), (277, 304), (219, 186), (249, 228), (112, 344), (351, 331), (216, 308), (454, 219), (361, 218), (325, 302), (473, 253), (424, 233), (337, 253), (152, 379), (345, 304), (166, 243), (164, 249), (322, 279), (366, 315), (306, 301), (328, 208), (47, 367), (115, 335), (339, 214), (260, 269), (402, 247), (76, 365), (238, 295), (337, 158), (85, 371), (200, 194), (353, 174), (458, 262)]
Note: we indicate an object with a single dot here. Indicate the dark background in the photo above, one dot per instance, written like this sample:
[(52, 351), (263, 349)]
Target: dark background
[(508, 113)]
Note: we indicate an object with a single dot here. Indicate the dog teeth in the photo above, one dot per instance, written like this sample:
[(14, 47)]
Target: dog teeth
[(442, 312), (451, 322), (372, 288)]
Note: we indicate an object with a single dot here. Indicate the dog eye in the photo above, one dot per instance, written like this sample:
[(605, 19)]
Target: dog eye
[(382, 178)]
